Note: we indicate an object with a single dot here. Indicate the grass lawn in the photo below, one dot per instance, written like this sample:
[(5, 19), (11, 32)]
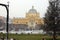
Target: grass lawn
[(27, 36)]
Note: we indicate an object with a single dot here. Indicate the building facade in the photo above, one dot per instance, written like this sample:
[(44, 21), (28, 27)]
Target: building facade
[(31, 21)]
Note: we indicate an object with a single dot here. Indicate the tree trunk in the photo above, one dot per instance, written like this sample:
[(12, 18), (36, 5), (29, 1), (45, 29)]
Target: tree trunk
[(54, 34)]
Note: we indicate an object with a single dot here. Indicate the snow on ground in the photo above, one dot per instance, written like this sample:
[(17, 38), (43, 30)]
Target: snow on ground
[(25, 32)]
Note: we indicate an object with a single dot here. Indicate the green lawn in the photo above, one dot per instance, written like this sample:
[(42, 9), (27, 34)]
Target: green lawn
[(27, 36)]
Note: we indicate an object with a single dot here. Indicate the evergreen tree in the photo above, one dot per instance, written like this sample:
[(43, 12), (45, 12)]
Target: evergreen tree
[(52, 16)]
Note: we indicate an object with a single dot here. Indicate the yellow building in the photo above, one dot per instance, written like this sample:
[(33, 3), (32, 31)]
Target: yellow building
[(32, 19)]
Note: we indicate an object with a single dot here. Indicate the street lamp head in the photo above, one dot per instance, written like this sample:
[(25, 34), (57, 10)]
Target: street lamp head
[(8, 3)]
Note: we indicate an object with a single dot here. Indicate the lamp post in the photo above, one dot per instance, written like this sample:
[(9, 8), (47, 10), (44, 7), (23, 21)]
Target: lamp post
[(7, 20)]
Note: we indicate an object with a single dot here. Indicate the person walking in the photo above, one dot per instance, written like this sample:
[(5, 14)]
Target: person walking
[(11, 39), (43, 38)]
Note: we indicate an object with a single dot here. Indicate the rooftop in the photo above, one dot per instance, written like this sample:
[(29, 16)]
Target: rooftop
[(32, 10)]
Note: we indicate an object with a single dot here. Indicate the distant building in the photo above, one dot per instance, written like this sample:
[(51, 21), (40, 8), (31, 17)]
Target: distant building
[(31, 21), (2, 23)]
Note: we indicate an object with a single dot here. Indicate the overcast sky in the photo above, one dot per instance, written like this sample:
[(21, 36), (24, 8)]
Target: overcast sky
[(19, 8)]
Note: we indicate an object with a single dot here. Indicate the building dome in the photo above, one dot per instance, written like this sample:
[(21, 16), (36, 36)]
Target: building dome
[(32, 10)]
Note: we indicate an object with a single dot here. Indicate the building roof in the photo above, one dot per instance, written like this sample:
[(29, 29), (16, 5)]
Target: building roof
[(32, 10)]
